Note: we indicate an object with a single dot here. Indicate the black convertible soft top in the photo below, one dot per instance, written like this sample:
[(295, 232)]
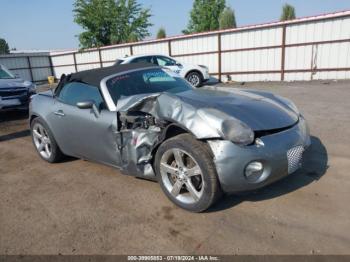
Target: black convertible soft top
[(93, 77)]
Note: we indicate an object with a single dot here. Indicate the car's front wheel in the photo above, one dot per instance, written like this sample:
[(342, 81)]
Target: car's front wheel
[(186, 173), (44, 141), (195, 79)]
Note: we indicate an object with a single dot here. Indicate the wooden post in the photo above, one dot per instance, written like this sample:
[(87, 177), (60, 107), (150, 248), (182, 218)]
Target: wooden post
[(51, 66), (169, 47), (283, 52), (131, 50), (219, 56), (100, 57), (75, 62), (30, 69)]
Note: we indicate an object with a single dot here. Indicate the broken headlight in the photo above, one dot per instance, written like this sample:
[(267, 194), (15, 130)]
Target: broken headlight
[(237, 132)]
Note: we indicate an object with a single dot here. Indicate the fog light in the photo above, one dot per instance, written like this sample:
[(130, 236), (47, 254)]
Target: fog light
[(253, 171)]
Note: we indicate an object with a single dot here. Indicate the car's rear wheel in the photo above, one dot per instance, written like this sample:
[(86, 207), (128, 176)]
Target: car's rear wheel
[(195, 79), (44, 141), (186, 173)]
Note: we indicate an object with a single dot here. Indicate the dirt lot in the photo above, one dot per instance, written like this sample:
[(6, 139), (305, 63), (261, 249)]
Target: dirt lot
[(78, 207)]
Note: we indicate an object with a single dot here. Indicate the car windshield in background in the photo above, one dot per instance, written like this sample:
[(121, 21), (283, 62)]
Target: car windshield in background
[(119, 61), (5, 74), (144, 82)]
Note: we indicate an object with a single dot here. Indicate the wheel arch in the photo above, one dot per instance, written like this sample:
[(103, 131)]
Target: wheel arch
[(194, 71), (31, 118), (52, 131), (172, 130)]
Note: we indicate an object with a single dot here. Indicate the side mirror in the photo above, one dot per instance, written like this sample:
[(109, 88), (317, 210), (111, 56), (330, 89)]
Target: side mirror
[(17, 76), (178, 64), (89, 104), (86, 104)]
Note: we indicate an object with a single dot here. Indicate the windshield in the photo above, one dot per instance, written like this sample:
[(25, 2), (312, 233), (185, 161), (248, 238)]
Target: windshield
[(165, 61), (145, 82), (5, 73), (118, 61)]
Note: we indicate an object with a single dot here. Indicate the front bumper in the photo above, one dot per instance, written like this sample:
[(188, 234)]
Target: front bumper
[(15, 102), (206, 75), (231, 160)]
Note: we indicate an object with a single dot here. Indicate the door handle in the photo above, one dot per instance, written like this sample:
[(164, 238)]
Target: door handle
[(59, 113)]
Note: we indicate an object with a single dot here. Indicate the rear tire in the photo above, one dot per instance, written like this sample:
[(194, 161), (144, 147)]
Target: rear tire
[(44, 142), (187, 174), (195, 79)]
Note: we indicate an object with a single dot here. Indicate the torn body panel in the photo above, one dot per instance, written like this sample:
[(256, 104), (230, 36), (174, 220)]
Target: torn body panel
[(143, 121), (135, 148), (202, 123)]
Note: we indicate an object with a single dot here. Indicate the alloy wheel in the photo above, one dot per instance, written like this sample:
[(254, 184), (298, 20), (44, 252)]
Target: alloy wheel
[(194, 79), (182, 176), (42, 140)]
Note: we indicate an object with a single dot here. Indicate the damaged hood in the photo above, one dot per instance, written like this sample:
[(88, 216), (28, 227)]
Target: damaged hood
[(257, 111), (11, 82), (203, 111)]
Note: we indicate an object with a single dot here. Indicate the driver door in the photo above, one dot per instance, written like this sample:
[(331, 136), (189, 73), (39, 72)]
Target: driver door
[(85, 133)]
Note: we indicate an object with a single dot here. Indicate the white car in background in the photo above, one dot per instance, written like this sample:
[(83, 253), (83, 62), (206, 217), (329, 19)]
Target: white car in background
[(195, 74)]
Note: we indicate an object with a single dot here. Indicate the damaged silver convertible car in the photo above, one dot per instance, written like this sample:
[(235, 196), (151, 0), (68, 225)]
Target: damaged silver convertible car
[(148, 122)]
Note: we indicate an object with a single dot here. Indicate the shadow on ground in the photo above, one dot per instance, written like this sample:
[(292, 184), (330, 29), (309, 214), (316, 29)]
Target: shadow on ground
[(8, 121), (14, 135), (315, 165), (212, 81), (12, 115)]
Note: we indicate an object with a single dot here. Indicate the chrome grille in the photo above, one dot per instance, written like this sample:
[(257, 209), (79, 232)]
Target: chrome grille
[(294, 156)]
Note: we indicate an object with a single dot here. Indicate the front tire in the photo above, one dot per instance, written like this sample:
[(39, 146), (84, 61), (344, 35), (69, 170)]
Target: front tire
[(44, 142), (186, 173), (195, 79)]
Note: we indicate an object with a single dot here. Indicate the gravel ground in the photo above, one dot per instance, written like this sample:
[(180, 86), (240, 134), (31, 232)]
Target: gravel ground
[(79, 207)]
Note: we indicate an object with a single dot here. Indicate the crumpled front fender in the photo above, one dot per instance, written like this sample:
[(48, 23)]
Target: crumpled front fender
[(203, 123)]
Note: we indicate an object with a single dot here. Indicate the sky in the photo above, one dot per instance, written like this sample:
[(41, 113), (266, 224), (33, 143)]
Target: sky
[(49, 25)]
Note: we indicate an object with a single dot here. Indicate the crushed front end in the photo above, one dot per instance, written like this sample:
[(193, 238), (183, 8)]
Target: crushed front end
[(272, 157)]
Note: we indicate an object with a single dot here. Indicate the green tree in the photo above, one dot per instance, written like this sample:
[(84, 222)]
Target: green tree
[(132, 38), (4, 47), (204, 16), (288, 12), (227, 19), (107, 22), (161, 33)]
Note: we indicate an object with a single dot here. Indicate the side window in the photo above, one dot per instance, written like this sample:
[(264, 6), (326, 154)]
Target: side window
[(165, 61), (144, 59), (75, 92)]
